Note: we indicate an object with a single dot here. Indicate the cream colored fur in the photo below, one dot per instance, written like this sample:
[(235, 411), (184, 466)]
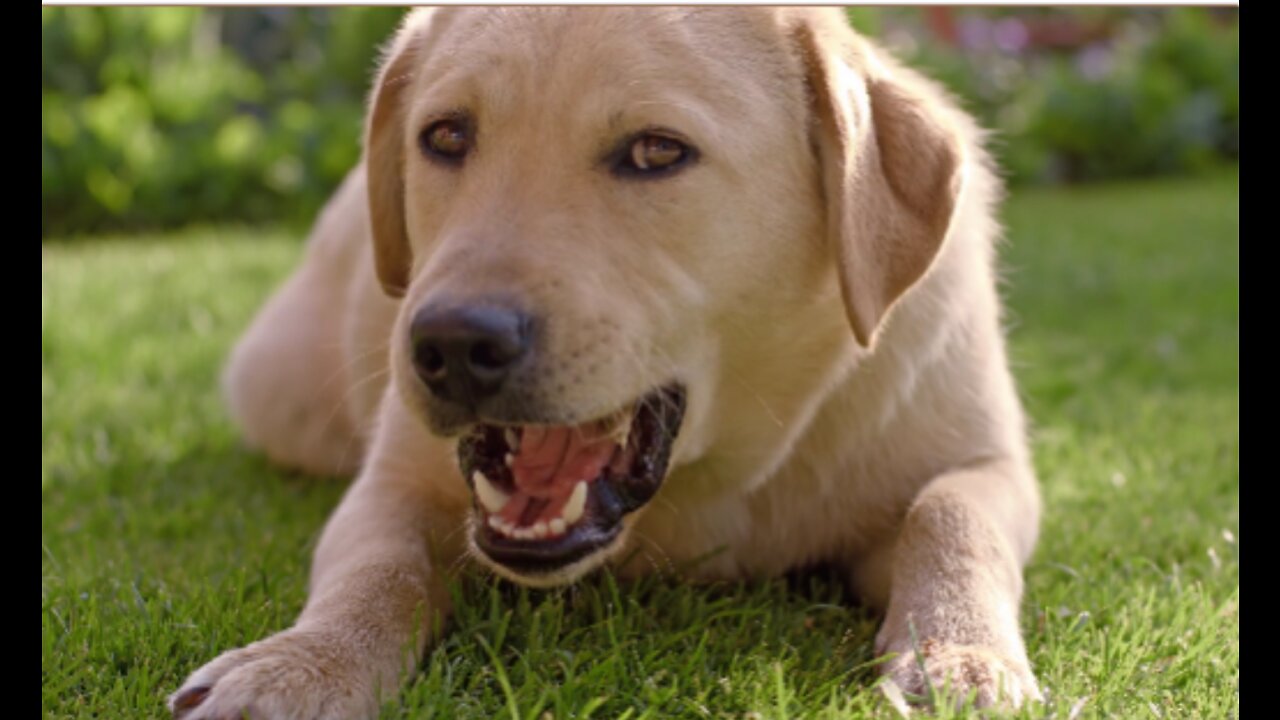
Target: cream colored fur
[(821, 280)]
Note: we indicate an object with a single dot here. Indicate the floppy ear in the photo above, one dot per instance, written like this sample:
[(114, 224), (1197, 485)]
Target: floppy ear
[(892, 170), (384, 157)]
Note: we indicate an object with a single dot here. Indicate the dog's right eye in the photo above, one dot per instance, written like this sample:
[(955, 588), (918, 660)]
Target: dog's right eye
[(651, 154), (446, 140)]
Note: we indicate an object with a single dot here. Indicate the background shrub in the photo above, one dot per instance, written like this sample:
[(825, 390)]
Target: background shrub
[(162, 117), (157, 117)]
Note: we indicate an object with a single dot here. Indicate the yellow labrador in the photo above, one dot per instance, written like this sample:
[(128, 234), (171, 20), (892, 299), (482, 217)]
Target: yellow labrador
[(708, 283)]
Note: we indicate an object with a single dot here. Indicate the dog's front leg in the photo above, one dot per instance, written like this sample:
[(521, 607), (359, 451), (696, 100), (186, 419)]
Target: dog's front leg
[(952, 618), (377, 592)]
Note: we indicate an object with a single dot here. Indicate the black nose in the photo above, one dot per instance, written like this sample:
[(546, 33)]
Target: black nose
[(464, 354)]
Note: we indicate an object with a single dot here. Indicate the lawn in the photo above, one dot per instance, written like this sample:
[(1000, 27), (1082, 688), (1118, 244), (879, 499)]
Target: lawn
[(164, 542)]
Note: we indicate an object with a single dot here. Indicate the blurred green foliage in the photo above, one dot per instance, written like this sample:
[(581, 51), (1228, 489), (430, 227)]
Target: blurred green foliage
[(1102, 93), (161, 117), (157, 117)]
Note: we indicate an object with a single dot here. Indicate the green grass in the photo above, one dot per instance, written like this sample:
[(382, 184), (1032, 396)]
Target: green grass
[(163, 542)]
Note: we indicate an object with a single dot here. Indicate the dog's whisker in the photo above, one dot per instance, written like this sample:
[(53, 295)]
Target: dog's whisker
[(341, 406), (675, 510), (352, 362), (764, 404), (654, 552)]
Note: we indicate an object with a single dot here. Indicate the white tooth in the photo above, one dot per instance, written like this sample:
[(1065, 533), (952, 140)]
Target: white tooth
[(623, 431), (539, 529), (524, 534), (513, 439), (508, 459), (495, 522), (557, 526), (490, 496), (577, 503), (508, 529)]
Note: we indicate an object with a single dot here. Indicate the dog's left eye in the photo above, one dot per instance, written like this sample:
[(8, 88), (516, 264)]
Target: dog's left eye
[(652, 154), (447, 140)]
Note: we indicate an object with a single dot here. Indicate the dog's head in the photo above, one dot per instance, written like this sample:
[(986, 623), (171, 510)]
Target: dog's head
[(622, 237)]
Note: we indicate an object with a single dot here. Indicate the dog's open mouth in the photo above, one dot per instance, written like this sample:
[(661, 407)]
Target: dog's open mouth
[(549, 495)]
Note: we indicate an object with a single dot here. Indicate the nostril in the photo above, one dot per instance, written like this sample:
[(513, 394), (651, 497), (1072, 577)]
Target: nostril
[(431, 362), (483, 356)]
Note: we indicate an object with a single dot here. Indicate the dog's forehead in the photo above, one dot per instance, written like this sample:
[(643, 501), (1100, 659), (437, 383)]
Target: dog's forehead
[(731, 61), (615, 36)]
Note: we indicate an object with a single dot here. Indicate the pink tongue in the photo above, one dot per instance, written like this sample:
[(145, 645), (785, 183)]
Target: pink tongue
[(553, 459)]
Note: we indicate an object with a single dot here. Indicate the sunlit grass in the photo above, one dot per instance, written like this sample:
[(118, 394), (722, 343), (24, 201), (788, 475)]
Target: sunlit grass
[(163, 542)]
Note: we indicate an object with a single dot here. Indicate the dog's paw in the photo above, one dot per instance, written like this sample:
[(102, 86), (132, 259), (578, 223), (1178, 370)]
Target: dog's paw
[(294, 674), (962, 674)]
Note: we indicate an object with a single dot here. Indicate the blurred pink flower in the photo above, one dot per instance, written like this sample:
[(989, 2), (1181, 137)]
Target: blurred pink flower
[(975, 33), (1011, 35), (1094, 61)]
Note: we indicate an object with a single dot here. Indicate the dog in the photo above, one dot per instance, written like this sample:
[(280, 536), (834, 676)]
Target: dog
[(703, 283)]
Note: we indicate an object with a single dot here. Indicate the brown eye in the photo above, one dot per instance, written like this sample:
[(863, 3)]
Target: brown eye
[(447, 140), (650, 153)]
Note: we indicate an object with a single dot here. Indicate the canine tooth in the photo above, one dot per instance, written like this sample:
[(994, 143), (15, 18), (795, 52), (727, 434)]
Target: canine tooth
[(490, 496), (513, 439), (623, 430), (557, 526), (495, 522), (508, 459), (540, 529), (577, 503)]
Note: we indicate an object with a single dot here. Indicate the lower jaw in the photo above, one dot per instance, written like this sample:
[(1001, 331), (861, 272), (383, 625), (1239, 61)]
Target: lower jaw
[(525, 566), (585, 545), (544, 556)]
